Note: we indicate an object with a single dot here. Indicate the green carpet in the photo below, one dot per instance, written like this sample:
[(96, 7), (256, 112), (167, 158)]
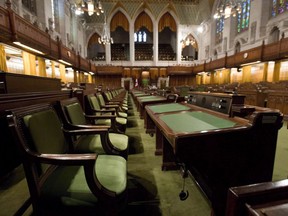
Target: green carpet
[(151, 192)]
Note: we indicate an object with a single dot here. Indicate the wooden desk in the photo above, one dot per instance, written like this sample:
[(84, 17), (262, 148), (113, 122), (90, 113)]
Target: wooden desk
[(146, 100), (219, 151), (159, 109), (279, 208)]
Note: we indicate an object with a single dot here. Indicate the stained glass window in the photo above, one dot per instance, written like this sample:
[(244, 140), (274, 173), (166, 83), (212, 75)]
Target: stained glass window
[(244, 17), (279, 7), (219, 29)]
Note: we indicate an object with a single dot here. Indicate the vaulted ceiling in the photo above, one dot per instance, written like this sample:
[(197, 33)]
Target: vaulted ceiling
[(188, 12)]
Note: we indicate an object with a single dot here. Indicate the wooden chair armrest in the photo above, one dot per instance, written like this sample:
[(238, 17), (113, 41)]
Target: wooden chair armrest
[(94, 117), (110, 106), (87, 129), (67, 159)]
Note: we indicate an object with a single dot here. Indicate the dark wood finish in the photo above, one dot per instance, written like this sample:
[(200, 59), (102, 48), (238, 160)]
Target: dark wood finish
[(256, 197), (67, 54), (278, 100), (36, 175), (9, 158), (19, 83), (279, 208), (216, 64), (219, 102), (223, 158), (5, 25), (179, 70), (142, 104)]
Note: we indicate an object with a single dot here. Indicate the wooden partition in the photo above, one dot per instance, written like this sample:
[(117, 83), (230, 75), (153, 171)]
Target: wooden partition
[(9, 157), (19, 83)]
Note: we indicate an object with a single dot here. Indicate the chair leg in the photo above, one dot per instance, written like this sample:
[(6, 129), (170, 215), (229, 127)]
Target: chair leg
[(24, 207)]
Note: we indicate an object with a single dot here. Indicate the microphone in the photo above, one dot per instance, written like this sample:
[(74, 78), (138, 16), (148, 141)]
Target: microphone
[(183, 195)]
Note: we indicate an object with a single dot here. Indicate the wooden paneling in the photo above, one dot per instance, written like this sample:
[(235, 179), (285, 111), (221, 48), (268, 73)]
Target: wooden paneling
[(4, 25), (278, 100), (216, 64), (284, 48), (84, 64), (109, 70), (30, 35), (9, 157), (198, 68), (67, 55), (179, 70), (271, 51), (19, 83)]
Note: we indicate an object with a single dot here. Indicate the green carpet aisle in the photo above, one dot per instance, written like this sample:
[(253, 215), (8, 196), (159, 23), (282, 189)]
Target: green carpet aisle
[(152, 192)]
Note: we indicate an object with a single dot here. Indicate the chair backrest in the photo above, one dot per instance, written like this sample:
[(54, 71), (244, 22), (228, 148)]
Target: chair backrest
[(101, 99), (92, 104), (172, 98), (36, 130), (71, 112)]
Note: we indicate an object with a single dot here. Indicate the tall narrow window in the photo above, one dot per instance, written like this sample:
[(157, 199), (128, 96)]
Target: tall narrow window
[(219, 29), (279, 7), (244, 17), (30, 5), (55, 15), (140, 37)]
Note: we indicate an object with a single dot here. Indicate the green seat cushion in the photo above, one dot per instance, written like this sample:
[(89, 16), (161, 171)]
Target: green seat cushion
[(103, 122), (124, 108), (119, 140), (122, 121), (92, 143), (68, 186), (123, 114)]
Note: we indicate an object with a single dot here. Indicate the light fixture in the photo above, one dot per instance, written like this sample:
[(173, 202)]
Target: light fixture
[(227, 8), (64, 62), (188, 41), (105, 37), (28, 48), (89, 6)]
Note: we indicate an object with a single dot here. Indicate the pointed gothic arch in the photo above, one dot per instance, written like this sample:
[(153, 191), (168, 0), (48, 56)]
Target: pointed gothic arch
[(95, 51), (167, 38), (143, 37)]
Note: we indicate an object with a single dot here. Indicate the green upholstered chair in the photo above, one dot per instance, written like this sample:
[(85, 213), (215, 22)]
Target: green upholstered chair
[(73, 117), (118, 99), (172, 98), (92, 107), (60, 181), (121, 111)]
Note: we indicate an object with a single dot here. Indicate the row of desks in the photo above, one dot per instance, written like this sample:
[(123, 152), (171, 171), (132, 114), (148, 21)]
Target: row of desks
[(218, 151)]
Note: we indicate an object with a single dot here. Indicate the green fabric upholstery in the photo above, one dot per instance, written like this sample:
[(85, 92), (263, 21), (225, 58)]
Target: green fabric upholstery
[(92, 143), (103, 122), (122, 121), (46, 132), (123, 114), (94, 102), (75, 114), (195, 121), (163, 108), (70, 185)]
